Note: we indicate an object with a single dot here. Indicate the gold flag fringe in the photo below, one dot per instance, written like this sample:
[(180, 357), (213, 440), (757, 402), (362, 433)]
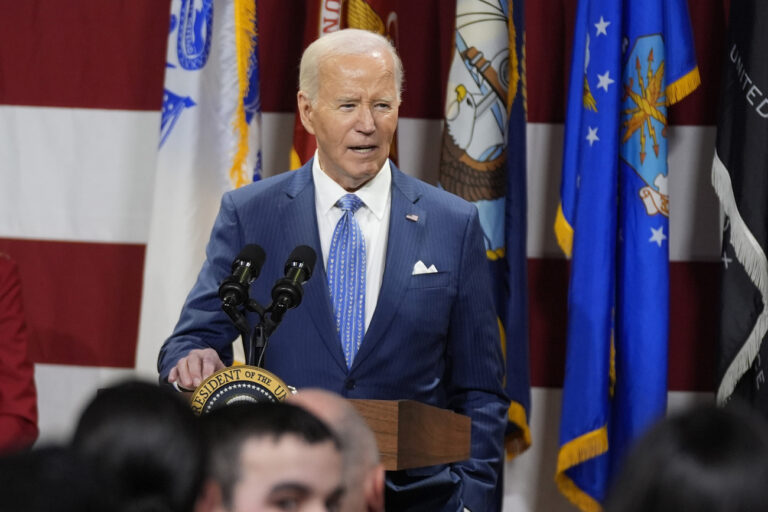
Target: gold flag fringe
[(245, 14), (683, 86)]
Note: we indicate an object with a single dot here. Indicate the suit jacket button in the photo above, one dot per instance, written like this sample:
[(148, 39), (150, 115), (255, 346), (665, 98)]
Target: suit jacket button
[(350, 384)]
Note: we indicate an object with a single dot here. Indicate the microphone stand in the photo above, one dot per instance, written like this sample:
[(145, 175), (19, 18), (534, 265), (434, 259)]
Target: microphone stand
[(255, 340), (238, 318)]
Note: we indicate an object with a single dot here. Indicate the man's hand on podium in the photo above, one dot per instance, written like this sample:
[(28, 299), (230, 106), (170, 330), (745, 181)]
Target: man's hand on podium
[(193, 369)]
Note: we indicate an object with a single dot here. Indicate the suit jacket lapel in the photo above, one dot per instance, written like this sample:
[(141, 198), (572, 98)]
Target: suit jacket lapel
[(300, 221), (403, 243)]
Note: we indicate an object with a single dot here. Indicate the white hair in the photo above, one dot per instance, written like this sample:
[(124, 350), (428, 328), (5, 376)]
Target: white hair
[(350, 41)]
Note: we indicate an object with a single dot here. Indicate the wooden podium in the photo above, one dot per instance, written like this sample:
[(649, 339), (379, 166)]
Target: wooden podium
[(411, 434)]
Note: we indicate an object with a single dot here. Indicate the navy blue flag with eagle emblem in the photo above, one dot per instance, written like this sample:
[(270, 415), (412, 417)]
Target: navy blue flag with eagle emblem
[(483, 160), (631, 59), (739, 178)]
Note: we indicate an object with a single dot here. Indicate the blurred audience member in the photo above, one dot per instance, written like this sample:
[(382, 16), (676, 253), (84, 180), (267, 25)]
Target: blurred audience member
[(273, 457), (18, 399), (52, 480), (706, 459), (147, 438), (363, 472)]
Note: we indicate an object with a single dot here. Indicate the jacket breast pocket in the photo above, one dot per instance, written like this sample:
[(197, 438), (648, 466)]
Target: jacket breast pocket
[(427, 305), (430, 280)]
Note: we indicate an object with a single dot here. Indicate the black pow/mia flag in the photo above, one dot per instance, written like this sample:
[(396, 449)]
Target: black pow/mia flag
[(740, 178)]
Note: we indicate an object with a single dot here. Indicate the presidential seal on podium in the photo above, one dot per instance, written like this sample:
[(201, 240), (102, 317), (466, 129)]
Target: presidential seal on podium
[(238, 384)]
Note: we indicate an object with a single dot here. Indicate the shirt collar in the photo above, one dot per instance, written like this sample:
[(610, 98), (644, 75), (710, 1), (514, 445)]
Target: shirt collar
[(375, 193)]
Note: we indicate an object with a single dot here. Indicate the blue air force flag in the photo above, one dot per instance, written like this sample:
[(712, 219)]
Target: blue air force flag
[(209, 143), (631, 59)]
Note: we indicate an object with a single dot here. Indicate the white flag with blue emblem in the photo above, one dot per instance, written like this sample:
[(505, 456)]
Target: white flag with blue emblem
[(209, 143)]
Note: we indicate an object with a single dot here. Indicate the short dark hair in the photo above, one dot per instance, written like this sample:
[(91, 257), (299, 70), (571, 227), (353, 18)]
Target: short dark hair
[(706, 459), (148, 438), (53, 478), (226, 429)]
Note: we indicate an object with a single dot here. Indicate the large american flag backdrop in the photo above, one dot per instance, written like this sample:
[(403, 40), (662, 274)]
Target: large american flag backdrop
[(81, 88)]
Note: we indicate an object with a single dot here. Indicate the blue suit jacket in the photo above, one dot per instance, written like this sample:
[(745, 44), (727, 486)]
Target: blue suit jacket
[(433, 337)]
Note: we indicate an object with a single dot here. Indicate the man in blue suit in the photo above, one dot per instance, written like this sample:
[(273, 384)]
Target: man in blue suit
[(416, 318)]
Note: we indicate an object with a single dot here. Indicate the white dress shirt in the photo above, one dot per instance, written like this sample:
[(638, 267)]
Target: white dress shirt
[(373, 218)]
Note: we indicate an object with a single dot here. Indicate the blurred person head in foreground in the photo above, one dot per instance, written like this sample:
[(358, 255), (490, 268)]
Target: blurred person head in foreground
[(148, 439), (706, 459), (363, 471), (53, 479), (273, 457)]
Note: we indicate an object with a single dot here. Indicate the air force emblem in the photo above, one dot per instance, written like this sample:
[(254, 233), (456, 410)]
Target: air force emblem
[(644, 121)]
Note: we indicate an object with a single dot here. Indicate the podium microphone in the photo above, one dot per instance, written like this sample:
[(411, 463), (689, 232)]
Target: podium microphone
[(288, 291), (245, 269)]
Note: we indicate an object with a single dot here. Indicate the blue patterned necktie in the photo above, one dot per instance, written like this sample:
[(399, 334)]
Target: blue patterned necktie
[(346, 277)]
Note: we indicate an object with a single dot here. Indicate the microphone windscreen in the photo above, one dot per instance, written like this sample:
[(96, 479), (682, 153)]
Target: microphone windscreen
[(252, 254), (305, 255)]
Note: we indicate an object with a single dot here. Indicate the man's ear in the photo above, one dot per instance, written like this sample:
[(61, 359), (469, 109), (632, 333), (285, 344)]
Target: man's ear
[(209, 499), (305, 111), (374, 489)]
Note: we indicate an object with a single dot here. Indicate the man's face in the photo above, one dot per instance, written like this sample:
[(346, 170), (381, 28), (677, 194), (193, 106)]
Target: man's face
[(354, 116), (288, 475)]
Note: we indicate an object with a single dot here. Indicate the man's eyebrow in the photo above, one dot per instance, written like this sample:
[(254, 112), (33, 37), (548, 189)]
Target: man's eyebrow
[(354, 99), (290, 487)]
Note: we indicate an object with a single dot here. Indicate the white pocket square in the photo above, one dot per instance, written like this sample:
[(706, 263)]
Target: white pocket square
[(421, 268)]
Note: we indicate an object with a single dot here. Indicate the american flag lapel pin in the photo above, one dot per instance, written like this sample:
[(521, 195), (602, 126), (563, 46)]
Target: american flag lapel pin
[(412, 217)]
